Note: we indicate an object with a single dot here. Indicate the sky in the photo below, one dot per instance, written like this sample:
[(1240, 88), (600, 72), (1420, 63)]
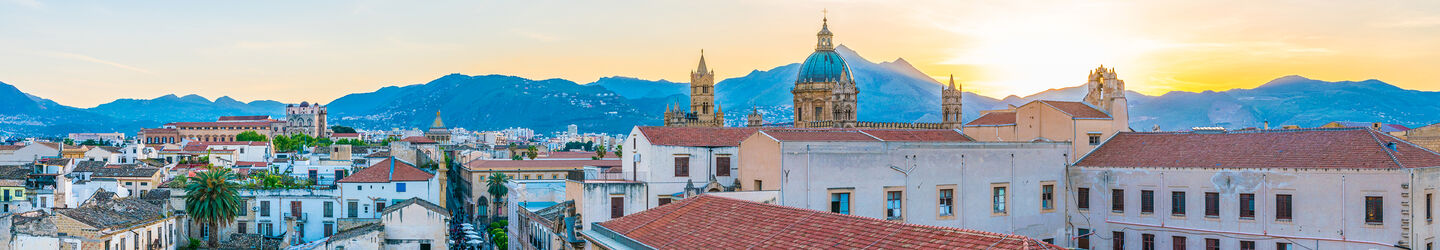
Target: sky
[(85, 53)]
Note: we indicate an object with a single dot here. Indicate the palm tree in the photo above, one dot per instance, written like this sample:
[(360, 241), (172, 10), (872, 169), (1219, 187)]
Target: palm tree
[(211, 198), (533, 152), (497, 189)]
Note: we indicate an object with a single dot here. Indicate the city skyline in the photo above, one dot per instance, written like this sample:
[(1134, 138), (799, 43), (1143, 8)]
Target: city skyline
[(85, 54)]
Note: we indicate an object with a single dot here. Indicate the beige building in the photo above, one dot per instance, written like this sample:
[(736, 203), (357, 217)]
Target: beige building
[(1427, 136), (223, 129), (1084, 124), (306, 119), (106, 222), (538, 169)]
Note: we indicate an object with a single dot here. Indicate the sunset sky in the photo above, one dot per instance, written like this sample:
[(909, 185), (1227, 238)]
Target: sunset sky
[(84, 53)]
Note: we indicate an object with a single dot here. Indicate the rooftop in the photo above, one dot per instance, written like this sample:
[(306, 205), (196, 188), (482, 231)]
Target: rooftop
[(387, 171), (105, 213), (1077, 110), (120, 170), (994, 119), (888, 135), (696, 136), (513, 164), (1345, 148), (708, 221), (415, 201)]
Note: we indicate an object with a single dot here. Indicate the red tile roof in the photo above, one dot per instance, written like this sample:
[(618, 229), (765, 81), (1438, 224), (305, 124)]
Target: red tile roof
[(573, 155), (818, 135), (994, 119), (513, 164), (218, 124), (1383, 127), (696, 137), (919, 135), (848, 134), (345, 135), (229, 143), (384, 171), (1077, 110), (711, 222), (418, 140), (1348, 148), (244, 118)]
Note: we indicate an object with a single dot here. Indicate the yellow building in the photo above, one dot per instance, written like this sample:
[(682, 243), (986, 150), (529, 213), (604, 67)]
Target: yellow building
[(1427, 136), (1392, 129), (1085, 124), (12, 186)]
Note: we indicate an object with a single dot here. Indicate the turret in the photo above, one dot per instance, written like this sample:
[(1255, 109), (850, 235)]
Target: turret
[(754, 119), (951, 105)]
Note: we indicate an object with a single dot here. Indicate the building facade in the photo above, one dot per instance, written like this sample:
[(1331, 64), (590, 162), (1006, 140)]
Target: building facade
[(1085, 125), (306, 118)]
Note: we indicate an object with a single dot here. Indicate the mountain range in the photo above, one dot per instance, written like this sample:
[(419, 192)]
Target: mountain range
[(889, 91)]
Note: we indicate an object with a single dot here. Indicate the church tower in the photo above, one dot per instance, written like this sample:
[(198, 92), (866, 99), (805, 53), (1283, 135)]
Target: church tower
[(1106, 92), (754, 119), (825, 92), (702, 95), (950, 105)]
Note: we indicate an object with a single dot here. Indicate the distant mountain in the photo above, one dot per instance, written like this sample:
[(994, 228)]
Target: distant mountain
[(491, 102), (635, 88), (23, 114), (170, 108)]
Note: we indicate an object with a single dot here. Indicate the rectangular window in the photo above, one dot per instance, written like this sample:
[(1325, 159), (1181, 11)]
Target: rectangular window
[(682, 166), (1177, 203), (1247, 206), (759, 186), (1212, 244), (379, 206), (329, 229), (1177, 242), (1374, 212), (1094, 138), (1247, 245), (1117, 200), (840, 203), (266, 229), (314, 175), (1286, 246), (947, 202), (354, 209), (617, 207), (329, 209), (1147, 241), (998, 199), (722, 166), (894, 205), (1082, 241), (1212, 204), (1429, 203), (240, 227), (339, 174), (1282, 207), (1047, 197), (295, 209), (1147, 201), (1082, 198), (264, 208), (665, 200), (400, 187), (1117, 240)]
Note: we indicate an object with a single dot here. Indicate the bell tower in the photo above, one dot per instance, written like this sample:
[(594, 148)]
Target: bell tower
[(950, 105)]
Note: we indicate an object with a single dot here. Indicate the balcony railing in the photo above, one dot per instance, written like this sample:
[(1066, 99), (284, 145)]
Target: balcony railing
[(300, 217)]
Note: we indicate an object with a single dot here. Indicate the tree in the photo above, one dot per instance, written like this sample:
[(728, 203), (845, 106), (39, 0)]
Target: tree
[(496, 187), (69, 141), (600, 152), (351, 142), (249, 136), (211, 198), (533, 152), (342, 129), (284, 143), (620, 150)]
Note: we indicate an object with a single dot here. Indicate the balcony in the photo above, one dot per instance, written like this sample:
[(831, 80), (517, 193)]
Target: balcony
[(302, 217)]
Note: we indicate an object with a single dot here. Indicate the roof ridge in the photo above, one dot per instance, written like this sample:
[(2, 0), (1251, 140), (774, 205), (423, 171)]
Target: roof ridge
[(772, 236), (1384, 148)]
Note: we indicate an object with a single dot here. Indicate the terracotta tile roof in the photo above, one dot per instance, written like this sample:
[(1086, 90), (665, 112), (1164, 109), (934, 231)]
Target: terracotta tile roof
[(418, 140), (378, 154), (696, 137), (513, 164), (382, 172), (994, 119), (127, 170), (158, 130), (14, 172), (1077, 110), (219, 124), (244, 118), (1387, 128), (818, 135), (229, 143), (1350, 148), (918, 135), (373, 227), (710, 222), (11, 147), (56, 161), (415, 201), (105, 213), (257, 164), (573, 155), (345, 135)]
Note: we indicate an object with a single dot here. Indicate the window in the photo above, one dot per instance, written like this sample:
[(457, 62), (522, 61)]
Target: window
[(1082, 198), (1374, 214), (1047, 197), (264, 208), (894, 204), (664, 200), (682, 166), (1247, 245), (759, 186), (840, 202), (1117, 200), (1286, 246), (1083, 240), (1177, 242), (1177, 203), (617, 207), (1147, 201), (1117, 240), (947, 202), (240, 227), (722, 166), (1212, 244), (266, 228), (1094, 138), (354, 209), (1282, 207), (1429, 213), (1247, 206), (379, 206), (295, 209), (998, 198), (329, 229), (1147, 241), (400, 187), (1212, 204), (329, 209)]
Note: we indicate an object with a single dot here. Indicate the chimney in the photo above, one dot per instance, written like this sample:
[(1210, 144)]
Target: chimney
[(1267, 124)]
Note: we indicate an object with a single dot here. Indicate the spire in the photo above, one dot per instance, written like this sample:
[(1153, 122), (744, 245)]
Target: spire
[(438, 123), (824, 37), (702, 69), (952, 81)]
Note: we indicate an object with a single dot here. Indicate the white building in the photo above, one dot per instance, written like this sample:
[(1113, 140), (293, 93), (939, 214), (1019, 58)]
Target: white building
[(28, 153), (669, 159), (415, 224), (314, 213), (1346, 188), (366, 192), (113, 138), (926, 177)]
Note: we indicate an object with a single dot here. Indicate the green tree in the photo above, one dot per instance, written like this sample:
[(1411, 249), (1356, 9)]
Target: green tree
[(323, 142), (249, 136), (599, 152), (342, 129), (211, 198), (283, 143), (69, 141), (620, 150), (495, 185), (533, 152)]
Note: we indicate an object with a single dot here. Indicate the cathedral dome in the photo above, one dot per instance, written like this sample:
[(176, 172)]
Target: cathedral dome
[(824, 66)]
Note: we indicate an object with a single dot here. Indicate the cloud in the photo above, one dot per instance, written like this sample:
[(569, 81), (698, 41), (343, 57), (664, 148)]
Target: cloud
[(85, 58)]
